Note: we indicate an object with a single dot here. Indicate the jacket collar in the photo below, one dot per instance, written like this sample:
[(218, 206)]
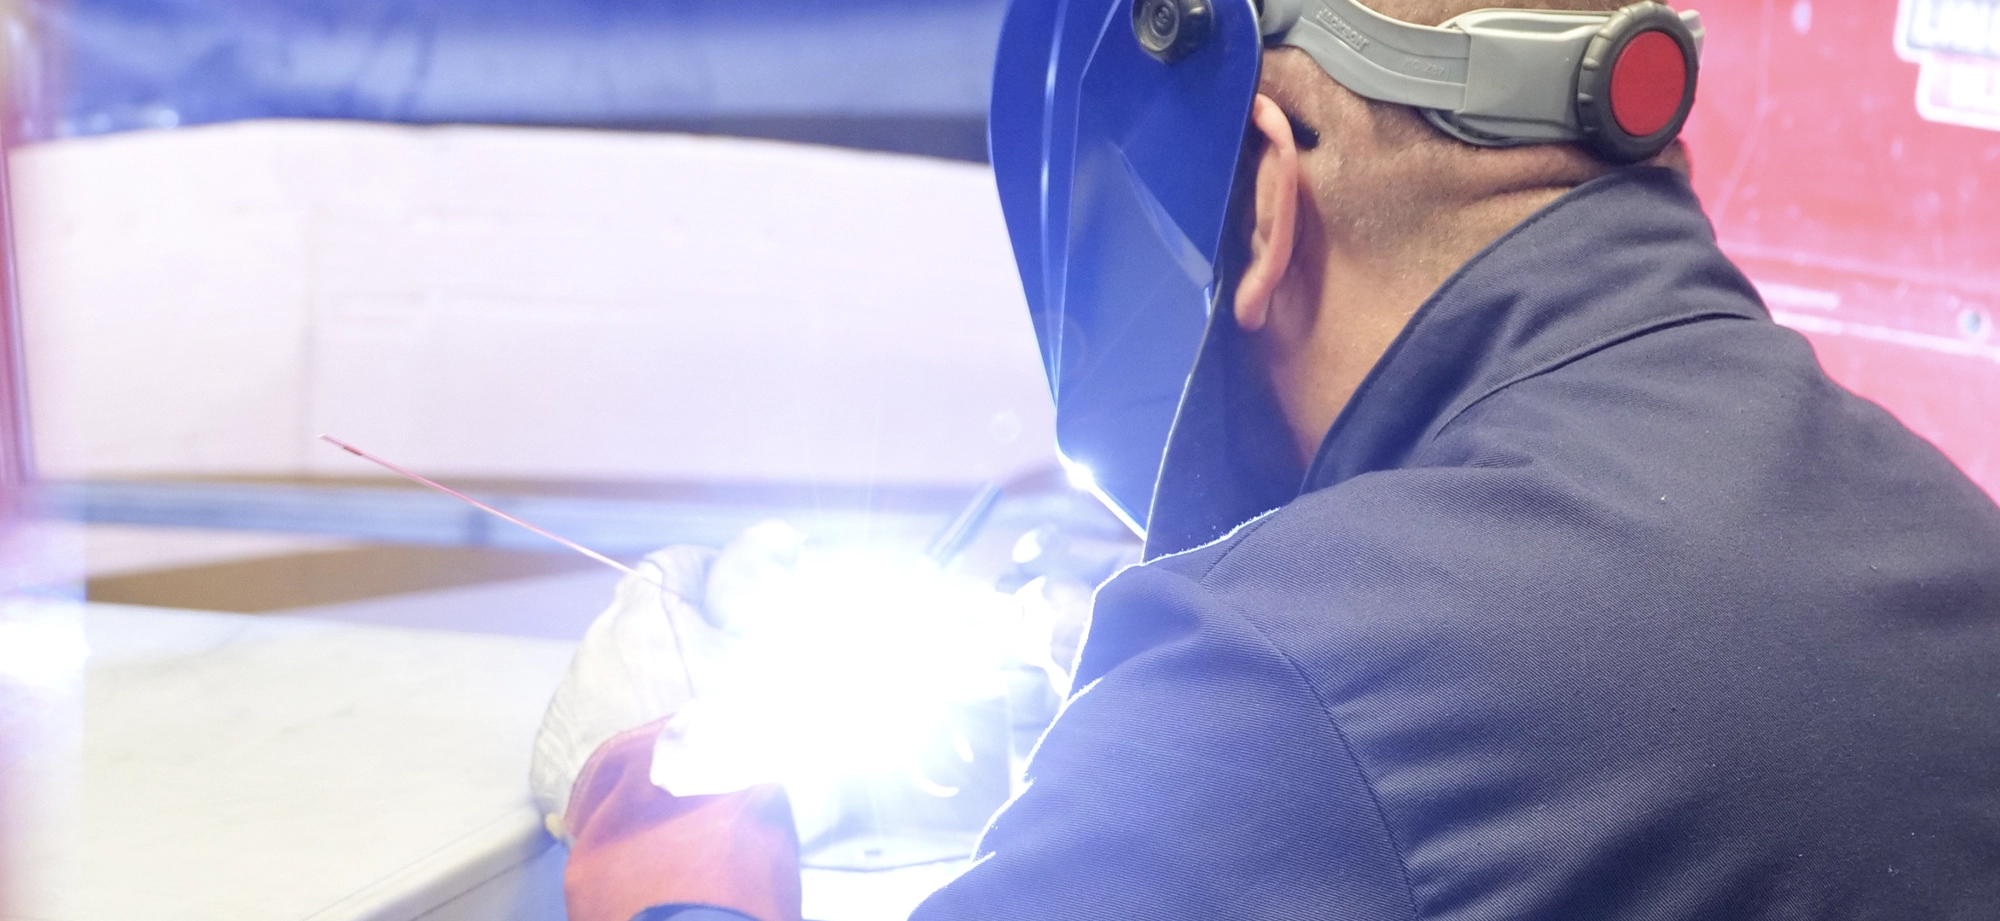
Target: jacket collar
[(1614, 258)]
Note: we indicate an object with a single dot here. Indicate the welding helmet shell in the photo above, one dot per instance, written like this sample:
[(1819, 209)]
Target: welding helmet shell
[(1114, 164), (1115, 131)]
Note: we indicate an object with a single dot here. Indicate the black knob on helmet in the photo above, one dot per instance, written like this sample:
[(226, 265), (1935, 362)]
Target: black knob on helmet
[(1171, 29)]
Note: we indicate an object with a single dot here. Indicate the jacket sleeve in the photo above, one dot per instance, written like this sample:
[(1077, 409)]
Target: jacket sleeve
[(689, 913), (1195, 775)]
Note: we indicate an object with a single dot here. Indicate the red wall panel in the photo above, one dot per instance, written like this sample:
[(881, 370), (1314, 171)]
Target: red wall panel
[(1871, 223)]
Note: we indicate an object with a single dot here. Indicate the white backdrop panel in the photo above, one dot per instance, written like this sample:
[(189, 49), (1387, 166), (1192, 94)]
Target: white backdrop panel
[(520, 302)]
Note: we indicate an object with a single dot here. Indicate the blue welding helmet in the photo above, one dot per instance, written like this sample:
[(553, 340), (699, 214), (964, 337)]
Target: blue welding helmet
[(1115, 131), (1114, 164)]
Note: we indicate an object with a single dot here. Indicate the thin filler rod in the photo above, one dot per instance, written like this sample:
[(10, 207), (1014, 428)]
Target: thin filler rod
[(673, 623), (475, 503)]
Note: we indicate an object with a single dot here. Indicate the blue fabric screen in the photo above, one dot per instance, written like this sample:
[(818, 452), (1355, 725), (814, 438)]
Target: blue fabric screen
[(99, 66)]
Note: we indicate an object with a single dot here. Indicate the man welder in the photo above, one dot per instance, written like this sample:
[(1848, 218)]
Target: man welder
[(1505, 559)]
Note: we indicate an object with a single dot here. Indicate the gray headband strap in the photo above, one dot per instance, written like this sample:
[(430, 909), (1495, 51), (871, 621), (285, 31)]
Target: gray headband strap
[(1492, 77)]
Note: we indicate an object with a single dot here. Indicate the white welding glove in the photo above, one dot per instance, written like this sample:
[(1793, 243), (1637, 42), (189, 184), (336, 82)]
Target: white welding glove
[(649, 655), (723, 740), (626, 673)]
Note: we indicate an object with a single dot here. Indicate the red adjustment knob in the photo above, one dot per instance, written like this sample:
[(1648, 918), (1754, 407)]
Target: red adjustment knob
[(1635, 85), (1647, 83)]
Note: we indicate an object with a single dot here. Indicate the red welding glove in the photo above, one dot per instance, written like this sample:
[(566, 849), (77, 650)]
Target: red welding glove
[(637, 846)]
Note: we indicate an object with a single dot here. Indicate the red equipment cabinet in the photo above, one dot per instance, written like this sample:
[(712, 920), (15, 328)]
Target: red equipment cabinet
[(1849, 155)]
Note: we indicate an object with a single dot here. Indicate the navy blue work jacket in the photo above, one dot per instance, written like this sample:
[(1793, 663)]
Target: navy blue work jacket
[(1600, 601)]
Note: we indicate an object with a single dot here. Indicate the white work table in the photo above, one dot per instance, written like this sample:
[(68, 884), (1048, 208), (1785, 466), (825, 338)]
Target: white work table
[(242, 767), (246, 768)]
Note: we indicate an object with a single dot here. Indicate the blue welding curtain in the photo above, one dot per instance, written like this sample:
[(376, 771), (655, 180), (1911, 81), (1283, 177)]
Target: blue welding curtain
[(114, 65)]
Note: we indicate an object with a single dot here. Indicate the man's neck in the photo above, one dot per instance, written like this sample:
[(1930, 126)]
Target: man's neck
[(1348, 305)]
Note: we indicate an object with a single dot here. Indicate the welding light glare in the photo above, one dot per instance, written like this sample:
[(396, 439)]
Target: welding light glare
[(857, 660), (1028, 548), (1079, 475)]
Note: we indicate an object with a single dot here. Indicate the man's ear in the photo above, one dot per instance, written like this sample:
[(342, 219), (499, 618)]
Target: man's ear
[(1274, 226)]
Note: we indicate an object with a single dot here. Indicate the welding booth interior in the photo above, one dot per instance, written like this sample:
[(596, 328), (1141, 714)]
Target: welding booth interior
[(647, 274)]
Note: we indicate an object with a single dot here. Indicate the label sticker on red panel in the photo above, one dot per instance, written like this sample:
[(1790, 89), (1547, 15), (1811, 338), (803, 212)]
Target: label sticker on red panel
[(1956, 44)]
